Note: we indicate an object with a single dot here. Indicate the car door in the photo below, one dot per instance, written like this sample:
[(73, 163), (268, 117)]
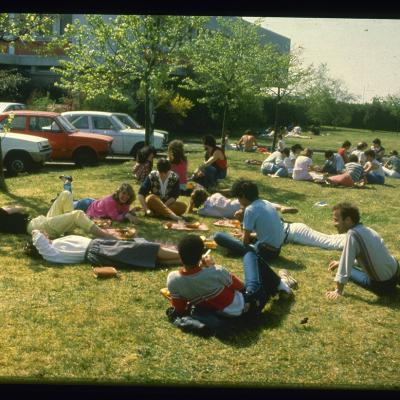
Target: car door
[(104, 125), (48, 128)]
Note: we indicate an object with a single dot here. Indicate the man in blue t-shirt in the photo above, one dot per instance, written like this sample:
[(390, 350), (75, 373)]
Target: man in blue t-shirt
[(263, 230)]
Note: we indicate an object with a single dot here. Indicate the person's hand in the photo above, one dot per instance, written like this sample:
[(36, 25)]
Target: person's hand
[(132, 218), (238, 234), (207, 261), (333, 265), (333, 294)]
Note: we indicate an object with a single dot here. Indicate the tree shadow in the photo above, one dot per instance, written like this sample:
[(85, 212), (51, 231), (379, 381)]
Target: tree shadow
[(390, 301), (283, 262)]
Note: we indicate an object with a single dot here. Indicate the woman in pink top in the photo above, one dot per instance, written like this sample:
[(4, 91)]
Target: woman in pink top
[(115, 206), (179, 162)]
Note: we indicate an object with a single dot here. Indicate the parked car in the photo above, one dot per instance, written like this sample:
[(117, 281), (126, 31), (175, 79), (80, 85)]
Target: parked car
[(11, 106), (66, 141), (22, 152), (127, 133)]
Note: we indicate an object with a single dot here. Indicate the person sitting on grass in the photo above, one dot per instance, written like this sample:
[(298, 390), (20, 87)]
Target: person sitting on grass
[(378, 149), (360, 152), (60, 219), (202, 283), (274, 161), (303, 166), (353, 174), (334, 163), (392, 166), (247, 142), (214, 167), (159, 192), (115, 206), (365, 260), (343, 151), (219, 206), (73, 249), (179, 162), (144, 162), (373, 169)]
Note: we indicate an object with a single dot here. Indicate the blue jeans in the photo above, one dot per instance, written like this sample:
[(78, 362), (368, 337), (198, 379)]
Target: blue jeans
[(83, 204), (360, 278), (269, 169), (373, 178), (211, 175), (282, 172)]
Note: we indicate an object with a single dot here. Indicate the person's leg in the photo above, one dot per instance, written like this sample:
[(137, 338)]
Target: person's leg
[(229, 242), (168, 256), (156, 205), (360, 278), (178, 207), (63, 204), (60, 224), (268, 169), (391, 173), (83, 204), (282, 172), (300, 233), (210, 176), (375, 179)]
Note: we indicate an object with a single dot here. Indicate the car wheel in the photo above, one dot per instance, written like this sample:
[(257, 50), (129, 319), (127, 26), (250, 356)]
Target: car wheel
[(18, 162), (136, 148), (85, 156)]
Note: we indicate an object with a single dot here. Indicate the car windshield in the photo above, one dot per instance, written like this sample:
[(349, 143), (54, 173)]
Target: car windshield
[(66, 124), (127, 120)]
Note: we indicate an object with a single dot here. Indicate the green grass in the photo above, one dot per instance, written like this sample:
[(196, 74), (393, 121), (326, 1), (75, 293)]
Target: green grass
[(61, 324)]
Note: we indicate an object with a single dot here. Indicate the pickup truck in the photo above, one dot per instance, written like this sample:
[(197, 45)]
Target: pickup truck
[(23, 153)]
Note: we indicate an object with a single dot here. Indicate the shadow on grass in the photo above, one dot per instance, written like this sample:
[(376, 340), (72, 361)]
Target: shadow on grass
[(390, 301), (247, 333), (282, 262)]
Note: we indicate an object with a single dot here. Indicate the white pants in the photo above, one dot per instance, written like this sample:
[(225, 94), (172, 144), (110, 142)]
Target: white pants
[(302, 234), (391, 172)]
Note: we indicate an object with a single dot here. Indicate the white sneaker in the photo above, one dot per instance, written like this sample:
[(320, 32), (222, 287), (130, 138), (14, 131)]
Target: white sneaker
[(286, 278)]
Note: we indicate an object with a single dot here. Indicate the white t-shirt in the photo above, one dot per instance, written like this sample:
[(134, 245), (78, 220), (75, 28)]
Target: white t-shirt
[(300, 170)]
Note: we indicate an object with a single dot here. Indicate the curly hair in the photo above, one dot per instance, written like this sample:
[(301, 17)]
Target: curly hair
[(176, 152), (199, 196), (126, 188)]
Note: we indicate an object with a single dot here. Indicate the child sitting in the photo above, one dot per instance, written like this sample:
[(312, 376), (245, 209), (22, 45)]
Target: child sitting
[(179, 162), (373, 169), (144, 162)]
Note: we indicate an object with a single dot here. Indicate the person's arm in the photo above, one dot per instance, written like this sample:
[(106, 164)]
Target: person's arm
[(216, 156), (367, 167), (143, 192), (45, 247), (248, 237)]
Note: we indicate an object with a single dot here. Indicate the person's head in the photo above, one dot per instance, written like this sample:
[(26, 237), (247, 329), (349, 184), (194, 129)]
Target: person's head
[(124, 194), (362, 145), (394, 153), (328, 154), (176, 152), (209, 142), (245, 191), (346, 144), (345, 216), (307, 152), (190, 249), (376, 142), (163, 167), (31, 251), (199, 196), (370, 154), (286, 152), (146, 153), (353, 158), (296, 148)]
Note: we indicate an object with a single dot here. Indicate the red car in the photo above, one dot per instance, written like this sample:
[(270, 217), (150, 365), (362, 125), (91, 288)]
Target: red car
[(66, 141)]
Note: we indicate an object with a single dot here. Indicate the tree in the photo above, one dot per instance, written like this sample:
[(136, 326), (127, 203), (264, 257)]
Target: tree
[(222, 66), (392, 103), (125, 55), (18, 28), (373, 116)]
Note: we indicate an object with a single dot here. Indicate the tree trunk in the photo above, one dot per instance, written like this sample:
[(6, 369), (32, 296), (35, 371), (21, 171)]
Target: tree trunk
[(149, 115), (278, 99), (3, 185), (223, 128)]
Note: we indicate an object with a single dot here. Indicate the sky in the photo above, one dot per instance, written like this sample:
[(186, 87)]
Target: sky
[(363, 53)]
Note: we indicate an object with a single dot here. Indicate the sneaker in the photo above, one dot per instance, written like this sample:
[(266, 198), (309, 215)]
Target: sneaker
[(286, 278)]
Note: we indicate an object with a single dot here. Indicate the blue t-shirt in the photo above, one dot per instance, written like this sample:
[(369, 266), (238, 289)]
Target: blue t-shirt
[(261, 217)]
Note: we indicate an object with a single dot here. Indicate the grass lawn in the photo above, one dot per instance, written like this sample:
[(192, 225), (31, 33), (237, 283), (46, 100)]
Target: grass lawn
[(58, 323)]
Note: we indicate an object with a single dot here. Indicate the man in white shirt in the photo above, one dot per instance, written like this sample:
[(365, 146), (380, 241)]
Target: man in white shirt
[(365, 260)]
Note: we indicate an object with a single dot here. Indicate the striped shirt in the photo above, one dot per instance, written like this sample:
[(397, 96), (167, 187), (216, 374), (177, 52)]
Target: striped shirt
[(355, 171), (213, 288), (366, 247)]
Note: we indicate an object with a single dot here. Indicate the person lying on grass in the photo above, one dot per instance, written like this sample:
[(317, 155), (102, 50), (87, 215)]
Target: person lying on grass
[(365, 260), (202, 283), (60, 219), (354, 174), (75, 249), (219, 206), (159, 193)]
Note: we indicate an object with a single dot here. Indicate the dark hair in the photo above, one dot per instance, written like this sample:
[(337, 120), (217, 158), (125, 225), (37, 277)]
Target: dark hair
[(346, 143), (377, 141), (199, 196), (370, 153), (362, 145), (394, 153), (163, 165), (353, 158), (246, 189), (209, 140), (190, 249), (128, 189), (13, 222), (31, 251), (307, 152), (144, 153), (328, 154), (296, 146), (177, 151), (286, 151), (348, 210)]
